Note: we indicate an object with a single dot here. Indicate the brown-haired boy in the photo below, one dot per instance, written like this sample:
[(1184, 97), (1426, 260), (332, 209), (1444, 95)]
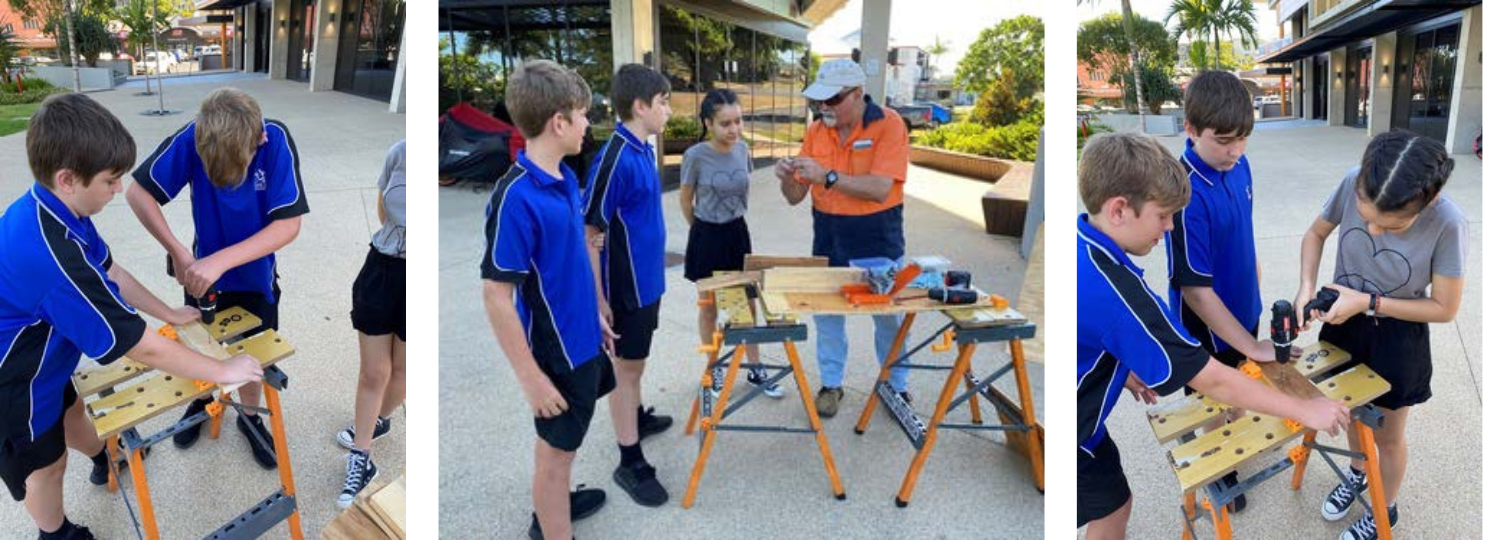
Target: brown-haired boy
[(1127, 339), (62, 296), (539, 289), (624, 205)]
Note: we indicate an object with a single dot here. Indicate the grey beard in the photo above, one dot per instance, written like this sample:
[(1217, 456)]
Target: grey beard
[(830, 120)]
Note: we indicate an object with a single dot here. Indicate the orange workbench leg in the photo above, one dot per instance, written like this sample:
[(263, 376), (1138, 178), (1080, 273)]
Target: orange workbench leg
[(1028, 414), (1220, 515), (885, 372), (1377, 484), (109, 445), (804, 390), (143, 494), (965, 354), (1189, 509), (215, 415), (1299, 456), (712, 351), (283, 457), (709, 424)]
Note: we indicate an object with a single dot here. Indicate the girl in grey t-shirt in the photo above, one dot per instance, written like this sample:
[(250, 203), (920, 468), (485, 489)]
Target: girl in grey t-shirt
[(1401, 248), (715, 189)]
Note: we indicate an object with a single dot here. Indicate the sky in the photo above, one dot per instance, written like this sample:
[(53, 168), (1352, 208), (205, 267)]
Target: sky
[(1157, 10), (918, 22)]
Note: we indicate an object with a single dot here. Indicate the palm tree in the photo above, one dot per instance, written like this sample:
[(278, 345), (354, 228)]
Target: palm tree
[(938, 48), (8, 48), (1214, 18), (1135, 66)]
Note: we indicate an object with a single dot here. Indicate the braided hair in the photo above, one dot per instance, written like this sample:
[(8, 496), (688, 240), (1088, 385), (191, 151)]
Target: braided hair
[(1402, 171), (712, 101)]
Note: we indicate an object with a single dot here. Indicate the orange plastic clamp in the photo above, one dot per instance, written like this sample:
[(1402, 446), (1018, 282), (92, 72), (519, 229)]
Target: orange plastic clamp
[(1298, 454), (203, 385), (947, 343), (713, 346), (168, 332), (214, 408), (999, 301), (1293, 425), (1250, 369)]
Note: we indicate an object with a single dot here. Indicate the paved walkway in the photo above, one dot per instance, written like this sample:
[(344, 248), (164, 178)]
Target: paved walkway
[(342, 140), (1295, 171)]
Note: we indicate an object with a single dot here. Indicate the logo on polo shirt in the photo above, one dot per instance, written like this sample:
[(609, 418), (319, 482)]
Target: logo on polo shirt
[(1248, 195), (260, 179)]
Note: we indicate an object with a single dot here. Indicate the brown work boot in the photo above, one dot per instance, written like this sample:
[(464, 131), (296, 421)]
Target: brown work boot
[(828, 401)]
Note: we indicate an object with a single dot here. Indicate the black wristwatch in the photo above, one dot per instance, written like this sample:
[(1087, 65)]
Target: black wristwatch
[(830, 179), (1374, 301)]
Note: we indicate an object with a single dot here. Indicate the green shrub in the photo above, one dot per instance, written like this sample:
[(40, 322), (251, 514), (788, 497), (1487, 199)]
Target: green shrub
[(682, 127), (1016, 141), (1093, 128), (31, 95)]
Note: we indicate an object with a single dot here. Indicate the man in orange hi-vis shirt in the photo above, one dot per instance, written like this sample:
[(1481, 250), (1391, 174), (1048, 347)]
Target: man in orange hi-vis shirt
[(853, 161)]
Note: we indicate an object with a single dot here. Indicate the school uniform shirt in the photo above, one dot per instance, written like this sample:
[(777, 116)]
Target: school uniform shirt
[(534, 238), (56, 303), (1212, 244), (624, 201), (1123, 327), (271, 190)]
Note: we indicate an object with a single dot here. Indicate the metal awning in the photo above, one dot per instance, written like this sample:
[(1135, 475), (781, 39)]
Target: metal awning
[(1373, 20), (212, 5), (522, 15)]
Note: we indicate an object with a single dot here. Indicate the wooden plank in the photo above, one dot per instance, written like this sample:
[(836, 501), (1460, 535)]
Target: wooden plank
[(755, 262), (735, 304), (816, 280), (1174, 419), (352, 524), (229, 324), (390, 504), (1211, 456), (728, 279), (1286, 378), (132, 405), (979, 317)]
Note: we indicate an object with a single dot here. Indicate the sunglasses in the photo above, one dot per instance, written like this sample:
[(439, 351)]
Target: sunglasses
[(836, 99)]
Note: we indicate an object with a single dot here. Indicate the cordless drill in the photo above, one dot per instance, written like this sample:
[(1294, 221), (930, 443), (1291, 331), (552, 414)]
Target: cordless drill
[(953, 295), (208, 305), (1283, 330), (1324, 302)]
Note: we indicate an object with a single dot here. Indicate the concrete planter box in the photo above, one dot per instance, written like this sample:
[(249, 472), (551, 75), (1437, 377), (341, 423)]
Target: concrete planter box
[(1156, 124), (100, 78), (982, 168)]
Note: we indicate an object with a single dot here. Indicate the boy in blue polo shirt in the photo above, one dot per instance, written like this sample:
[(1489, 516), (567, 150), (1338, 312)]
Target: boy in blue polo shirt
[(61, 296), (1126, 339), (1214, 275), (624, 205), (538, 288), (248, 202)]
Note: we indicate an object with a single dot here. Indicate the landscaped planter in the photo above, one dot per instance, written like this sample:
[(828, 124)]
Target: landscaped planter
[(982, 168), (1156, 124), (102, 78)]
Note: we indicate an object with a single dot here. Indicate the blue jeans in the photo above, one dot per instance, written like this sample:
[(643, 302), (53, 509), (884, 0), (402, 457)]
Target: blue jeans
[(833, 348)]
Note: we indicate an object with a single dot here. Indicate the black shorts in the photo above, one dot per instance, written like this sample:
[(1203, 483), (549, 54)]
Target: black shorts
[(1102, 488), (580, 387), (1230, 356), (253, 302), (635, 328), (380, 296), (714, 247), (1399, 351), (18, 458)]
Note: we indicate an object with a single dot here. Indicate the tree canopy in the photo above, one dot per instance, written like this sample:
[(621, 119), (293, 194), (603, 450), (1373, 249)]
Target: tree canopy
[(1014, 46)]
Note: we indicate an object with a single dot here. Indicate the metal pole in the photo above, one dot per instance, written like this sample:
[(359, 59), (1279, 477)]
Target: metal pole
[(73, 49), (161, 92), (453, 46)]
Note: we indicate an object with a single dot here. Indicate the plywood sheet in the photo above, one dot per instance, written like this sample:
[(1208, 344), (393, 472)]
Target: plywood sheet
[(755, 262), (389, 504)]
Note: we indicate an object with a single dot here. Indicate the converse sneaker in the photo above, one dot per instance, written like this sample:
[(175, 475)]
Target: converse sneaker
[(359, 473), (1336, 506), (345, 436), (718, 382), (1364, 529), (759, 377)]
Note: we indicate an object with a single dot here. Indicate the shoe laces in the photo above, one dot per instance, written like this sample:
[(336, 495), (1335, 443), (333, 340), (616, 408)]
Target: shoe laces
[(1364, 528), (355, 476), (1345, 493)]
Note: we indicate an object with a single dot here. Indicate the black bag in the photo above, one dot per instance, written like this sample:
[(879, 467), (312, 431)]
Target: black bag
[(472, 145)]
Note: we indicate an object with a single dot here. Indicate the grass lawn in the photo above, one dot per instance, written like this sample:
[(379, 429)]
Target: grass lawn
[(13, 117)]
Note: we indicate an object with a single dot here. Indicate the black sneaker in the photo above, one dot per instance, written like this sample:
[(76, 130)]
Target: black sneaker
[(1336, 506), (74, 532), (1231, 480), (1364, 529), (358, 474), (100, 475), (582, 502), (650, 424), (758, 378), (639, 481), (265, 454), (345, 437), (187, 437)]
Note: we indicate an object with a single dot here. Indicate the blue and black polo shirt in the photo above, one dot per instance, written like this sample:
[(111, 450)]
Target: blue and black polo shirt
[(1212, 244), (222, 217), (56, 303), (534, 238), (624, 201), (1122, 327)]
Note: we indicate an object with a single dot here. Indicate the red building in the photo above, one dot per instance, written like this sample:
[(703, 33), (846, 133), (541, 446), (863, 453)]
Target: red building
[(28, 33)]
